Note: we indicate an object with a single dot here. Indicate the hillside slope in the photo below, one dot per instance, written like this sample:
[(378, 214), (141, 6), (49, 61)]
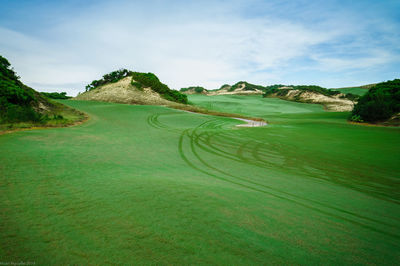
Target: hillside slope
[(331, 100), (125, 86), (123, 91), (358, 90), (240, 88), (23, 107)]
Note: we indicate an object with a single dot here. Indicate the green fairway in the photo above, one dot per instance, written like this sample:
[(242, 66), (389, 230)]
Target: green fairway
[(153, 185), (355, 90)]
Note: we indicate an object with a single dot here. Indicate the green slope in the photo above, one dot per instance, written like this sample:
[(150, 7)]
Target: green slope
[(148, 184), (23, 107), (354, 90)]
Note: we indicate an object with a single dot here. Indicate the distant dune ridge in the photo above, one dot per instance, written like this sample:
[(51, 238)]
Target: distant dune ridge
[(332, 100), (240, 88), (338, 102)]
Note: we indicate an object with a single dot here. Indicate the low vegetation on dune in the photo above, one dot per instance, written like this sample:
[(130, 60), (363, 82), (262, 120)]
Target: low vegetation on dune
[(239, 88), (139, 81), (107, 78), (193, 90), (56, 95), (332, 100), (381, 104), (152, 81), (23, 107), (282, 90), (246, 86)]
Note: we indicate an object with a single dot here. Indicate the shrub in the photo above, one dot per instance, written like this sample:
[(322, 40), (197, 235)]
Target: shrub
[(380, 103), (56, 95), (140, 80), (248, 86), (311, 88), (108, 78), (151, 80), (224, 86), (15, 97), (138, 85), (196, 89)]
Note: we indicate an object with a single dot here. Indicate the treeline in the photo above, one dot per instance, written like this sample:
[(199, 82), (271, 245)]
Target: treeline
[(380, 103), (15, 97), (56, 95), (108, 78)]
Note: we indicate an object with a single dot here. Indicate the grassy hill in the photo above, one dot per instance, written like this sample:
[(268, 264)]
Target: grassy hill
[(143, 89), (23, 107), (239, 88), (331, 100), (360, 90), (153, 185), (123, 91)]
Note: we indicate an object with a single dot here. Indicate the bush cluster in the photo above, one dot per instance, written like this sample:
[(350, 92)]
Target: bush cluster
[(151, 80), (224, 86), (15, 97), (197, 89), (56, 95), (108, 78), (311, 88), (248, 86), (380, 103)]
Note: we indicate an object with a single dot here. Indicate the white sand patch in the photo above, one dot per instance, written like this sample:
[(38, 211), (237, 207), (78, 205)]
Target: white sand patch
[(251, 123)]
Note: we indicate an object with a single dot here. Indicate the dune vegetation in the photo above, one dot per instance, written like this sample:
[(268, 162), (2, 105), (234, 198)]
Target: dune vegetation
[(139, 80), (23, 107), (193, 90), (381, 104)]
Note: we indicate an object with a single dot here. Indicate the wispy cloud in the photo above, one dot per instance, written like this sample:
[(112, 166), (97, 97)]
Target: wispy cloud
[(208, 43)]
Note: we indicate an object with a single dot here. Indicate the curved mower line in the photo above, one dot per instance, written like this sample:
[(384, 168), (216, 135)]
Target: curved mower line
[(201, 141)]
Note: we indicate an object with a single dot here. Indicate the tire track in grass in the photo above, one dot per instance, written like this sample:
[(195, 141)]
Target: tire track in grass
[(238, 157), (203, 162), (276, 159), (192, 134)]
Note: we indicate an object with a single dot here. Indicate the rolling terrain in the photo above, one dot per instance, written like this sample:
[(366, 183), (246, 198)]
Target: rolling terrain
[(360, 90), (22, 107), (153, 185)]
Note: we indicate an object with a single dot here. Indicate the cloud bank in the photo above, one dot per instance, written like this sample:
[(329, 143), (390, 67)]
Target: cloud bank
[(63, 48)]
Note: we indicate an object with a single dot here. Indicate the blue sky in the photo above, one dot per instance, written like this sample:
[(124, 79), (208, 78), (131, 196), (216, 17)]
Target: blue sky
[(64, 45)]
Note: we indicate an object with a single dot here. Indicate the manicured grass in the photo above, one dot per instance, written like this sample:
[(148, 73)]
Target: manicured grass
[(148, 184), (355, 90)]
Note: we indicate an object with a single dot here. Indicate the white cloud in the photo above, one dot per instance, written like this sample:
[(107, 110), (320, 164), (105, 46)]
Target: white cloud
[(190, 45)]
